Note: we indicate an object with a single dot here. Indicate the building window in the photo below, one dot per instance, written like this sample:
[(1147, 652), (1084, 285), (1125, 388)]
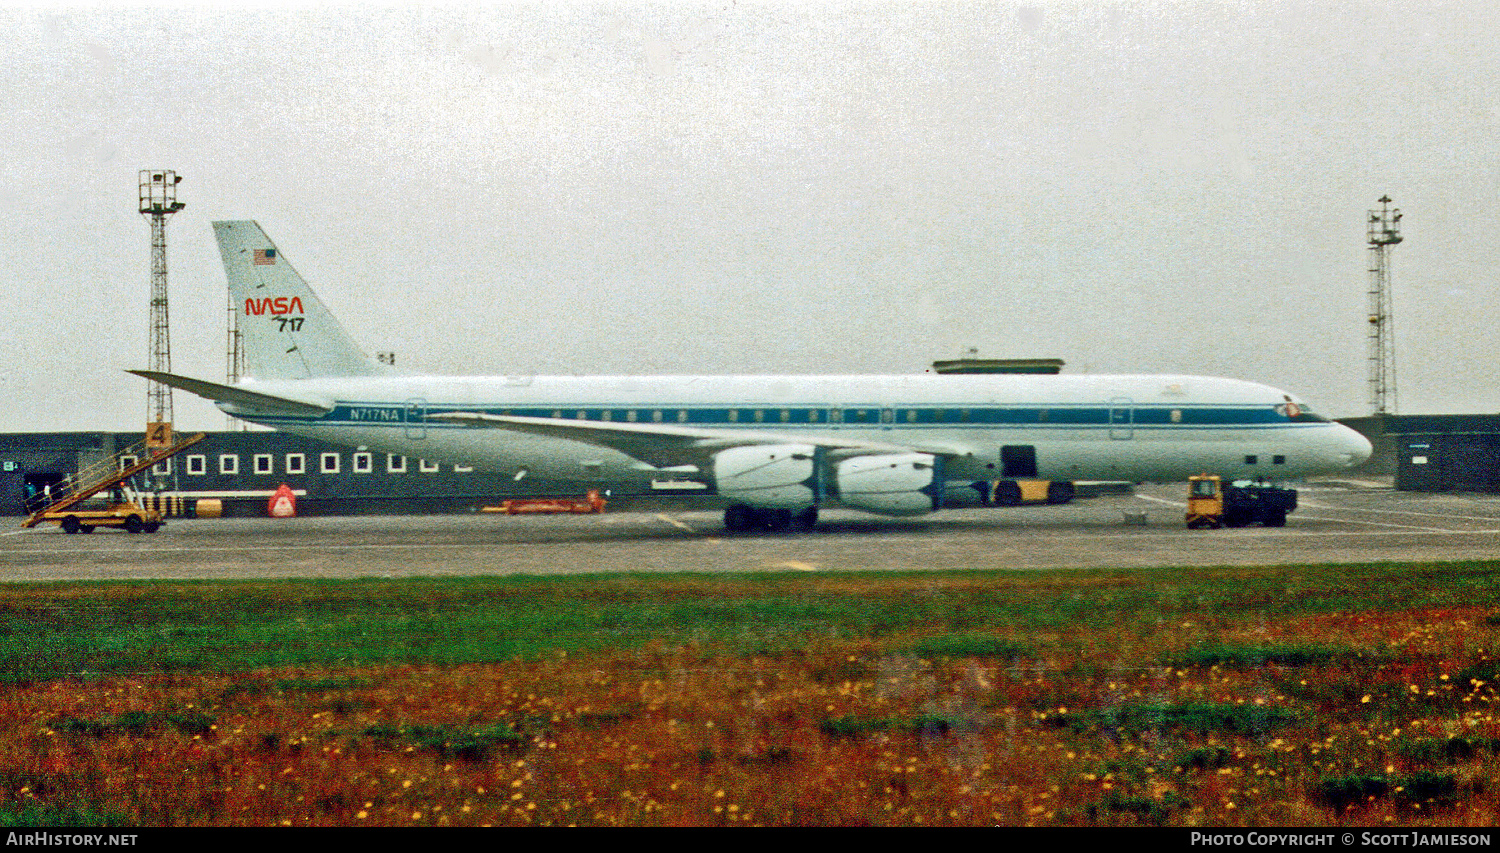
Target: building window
[(197, 465), (427, 467), (463, 469), (395, 464), (296, 463), (127, 461), (263, 463), (364, 463), (1251, 459), (328, 463), (162, 468), (229, 463), (1278, 459)]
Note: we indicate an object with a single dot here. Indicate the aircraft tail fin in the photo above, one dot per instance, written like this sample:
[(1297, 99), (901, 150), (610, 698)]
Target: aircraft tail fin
[(287, 332)]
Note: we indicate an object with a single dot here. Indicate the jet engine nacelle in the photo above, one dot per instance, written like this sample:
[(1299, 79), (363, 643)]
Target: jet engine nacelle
[(770, 476), (894, 484)]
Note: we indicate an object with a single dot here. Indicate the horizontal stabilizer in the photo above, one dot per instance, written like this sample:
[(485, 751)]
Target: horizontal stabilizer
[(241, 398)]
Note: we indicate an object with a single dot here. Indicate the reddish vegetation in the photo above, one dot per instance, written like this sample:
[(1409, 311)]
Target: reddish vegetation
[(845, 734)]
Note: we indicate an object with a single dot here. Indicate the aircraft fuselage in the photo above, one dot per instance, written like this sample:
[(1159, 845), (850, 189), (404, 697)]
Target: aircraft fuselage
[(1134, 428)]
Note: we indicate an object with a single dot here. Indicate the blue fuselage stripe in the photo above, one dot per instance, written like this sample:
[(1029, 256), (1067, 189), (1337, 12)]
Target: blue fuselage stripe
[(947, 416)]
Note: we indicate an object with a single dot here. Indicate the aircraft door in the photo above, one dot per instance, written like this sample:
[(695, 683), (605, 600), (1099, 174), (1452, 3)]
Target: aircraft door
[(416, 418), (1018, 462), (1121, 418)]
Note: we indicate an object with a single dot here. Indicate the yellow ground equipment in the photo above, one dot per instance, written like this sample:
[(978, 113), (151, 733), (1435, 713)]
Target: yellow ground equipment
[(1017, 492), (64, 505), (1213, 503), (123, 512)]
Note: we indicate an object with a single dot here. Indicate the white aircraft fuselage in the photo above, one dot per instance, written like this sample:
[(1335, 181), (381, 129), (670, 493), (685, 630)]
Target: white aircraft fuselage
[(771, 446), (1135, 428)]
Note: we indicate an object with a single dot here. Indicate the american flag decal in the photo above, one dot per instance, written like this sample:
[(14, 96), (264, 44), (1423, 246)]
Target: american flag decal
[(265, 257)]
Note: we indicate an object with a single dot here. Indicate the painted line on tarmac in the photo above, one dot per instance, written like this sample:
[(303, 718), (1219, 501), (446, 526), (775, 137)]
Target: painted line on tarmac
[(1389, 524), (1301, 517), (795, 565), (675, 523), (1316, 505), (1177, 504)]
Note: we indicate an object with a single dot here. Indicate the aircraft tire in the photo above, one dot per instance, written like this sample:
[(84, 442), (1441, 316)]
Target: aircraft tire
[(85, 528), (1007, 493), (775, 520), (739, 518), (71, 525), (1059, 492)]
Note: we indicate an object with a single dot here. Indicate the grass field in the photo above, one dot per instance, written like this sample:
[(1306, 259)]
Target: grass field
[(1303, 695)]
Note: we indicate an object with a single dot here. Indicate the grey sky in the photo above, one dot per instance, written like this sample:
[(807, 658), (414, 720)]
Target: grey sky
[(761, 187)]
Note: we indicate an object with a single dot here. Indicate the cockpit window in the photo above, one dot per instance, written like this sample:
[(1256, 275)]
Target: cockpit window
[(1300, 413)]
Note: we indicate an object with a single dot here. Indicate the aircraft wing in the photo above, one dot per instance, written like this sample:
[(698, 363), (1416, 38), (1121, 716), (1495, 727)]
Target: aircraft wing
[(671, 445), (241, 398)]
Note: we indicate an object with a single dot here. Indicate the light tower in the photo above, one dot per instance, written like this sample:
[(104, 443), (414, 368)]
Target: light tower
[(1384, 231), (158, 203)]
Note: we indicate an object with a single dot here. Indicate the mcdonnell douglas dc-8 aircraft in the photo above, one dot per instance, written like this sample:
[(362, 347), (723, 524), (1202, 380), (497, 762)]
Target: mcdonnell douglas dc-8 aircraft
[(774, 448)]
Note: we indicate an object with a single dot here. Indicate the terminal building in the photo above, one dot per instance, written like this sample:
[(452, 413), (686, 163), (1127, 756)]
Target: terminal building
[(241, 470)]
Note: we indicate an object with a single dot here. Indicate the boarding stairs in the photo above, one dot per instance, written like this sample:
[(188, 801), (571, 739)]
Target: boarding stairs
[(105, 474)]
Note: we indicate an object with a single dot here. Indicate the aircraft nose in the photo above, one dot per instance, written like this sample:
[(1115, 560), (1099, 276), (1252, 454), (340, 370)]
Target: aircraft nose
[(1353, 448)]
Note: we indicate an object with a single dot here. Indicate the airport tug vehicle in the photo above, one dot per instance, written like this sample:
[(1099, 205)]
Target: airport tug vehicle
[(1213, 503)]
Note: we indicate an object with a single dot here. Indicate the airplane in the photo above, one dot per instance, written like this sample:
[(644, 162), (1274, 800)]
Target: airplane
[(775, 449)]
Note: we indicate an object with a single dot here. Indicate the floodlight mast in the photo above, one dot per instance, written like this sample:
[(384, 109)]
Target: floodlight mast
[(1383, 232), (158, 196)]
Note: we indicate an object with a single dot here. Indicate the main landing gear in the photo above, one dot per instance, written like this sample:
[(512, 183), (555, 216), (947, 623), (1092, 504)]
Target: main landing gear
[(741, 518)]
